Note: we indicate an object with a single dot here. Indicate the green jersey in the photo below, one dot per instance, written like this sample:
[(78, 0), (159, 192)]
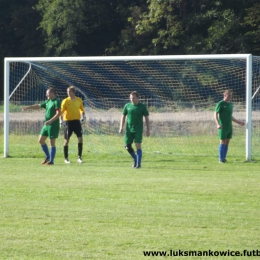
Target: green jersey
[(135, 115), (51, 106), (225, 110)]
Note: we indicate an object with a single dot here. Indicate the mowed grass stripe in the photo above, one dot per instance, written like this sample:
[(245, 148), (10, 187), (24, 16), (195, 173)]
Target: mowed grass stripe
[(104, 209)]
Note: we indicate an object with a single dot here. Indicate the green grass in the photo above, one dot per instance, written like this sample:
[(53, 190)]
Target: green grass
[(104, 209), (27, 146)]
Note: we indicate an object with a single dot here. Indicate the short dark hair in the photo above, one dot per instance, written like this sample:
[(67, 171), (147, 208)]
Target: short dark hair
[(135, 93), (52, 90)]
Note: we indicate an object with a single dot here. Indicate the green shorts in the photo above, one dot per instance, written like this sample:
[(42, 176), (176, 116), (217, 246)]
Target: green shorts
[(51, 131), (136, 137), (225, 132)]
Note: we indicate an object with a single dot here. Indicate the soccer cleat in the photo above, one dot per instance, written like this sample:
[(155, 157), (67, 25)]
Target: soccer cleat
[(67, 161), (134, 164), (224, 161), (49, 163), (79, 160), (46, 160), (137, 167)]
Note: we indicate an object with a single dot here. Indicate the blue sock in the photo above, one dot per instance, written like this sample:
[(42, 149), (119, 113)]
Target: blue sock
[(134, 156), (221, 152), (52, 153), (139, 157), (46, 151), (225, 151)]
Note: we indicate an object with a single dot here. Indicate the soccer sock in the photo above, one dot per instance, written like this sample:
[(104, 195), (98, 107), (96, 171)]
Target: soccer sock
[(131, 151), (221, 152), (52, 153), (66, 151), (139, 157), (46, 151), (133, 155), (225, 151), (80, 147)]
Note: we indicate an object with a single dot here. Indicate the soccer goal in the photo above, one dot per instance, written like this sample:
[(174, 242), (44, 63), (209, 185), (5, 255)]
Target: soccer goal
[(179, 91)]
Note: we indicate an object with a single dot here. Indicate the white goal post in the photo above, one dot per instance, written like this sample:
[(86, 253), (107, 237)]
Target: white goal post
[(158, 76)]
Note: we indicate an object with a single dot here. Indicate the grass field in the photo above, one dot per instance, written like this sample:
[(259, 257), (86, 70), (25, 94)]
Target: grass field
[(104, 209)]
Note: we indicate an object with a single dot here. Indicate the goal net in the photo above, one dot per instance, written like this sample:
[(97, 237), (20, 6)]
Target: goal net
[(179, 91)]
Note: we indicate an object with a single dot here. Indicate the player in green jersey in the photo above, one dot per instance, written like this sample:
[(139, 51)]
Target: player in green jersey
[(223, 118), (134, 112), (51, 124)]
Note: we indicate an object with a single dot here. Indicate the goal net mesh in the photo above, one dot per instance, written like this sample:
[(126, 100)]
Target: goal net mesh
[(180, 95)]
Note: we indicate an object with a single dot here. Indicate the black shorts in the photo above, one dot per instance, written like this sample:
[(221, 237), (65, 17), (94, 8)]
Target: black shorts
[(72, 126)]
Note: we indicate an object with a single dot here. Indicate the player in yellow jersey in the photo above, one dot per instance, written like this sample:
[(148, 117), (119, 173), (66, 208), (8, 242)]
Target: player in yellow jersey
[(72, 115)]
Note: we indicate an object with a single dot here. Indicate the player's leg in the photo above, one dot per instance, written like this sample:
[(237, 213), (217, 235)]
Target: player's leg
[(221, 150), (129, 138), (52, 151), (138, 142), (80, 149), (223, 136), (53, 133), (42, 141), (226, 147), (225, 150), (66, 150), (78, 132), (67, 135)]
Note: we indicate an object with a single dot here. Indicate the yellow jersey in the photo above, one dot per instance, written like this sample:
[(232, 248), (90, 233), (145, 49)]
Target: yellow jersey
[(71, 109)]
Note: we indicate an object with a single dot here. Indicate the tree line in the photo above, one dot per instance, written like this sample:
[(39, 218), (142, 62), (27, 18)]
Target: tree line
[(38, 28)]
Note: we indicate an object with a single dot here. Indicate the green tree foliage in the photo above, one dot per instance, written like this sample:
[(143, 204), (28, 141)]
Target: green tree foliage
[(152, 28), (19, 36), (185, 27), (18, 29), (252, 21), (62, 21), (80, 27)]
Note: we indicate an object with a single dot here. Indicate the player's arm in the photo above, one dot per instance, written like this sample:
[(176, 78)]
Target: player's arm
[(147, 122), (61, 115), (57, 115), (36, 106), (216, 116), (83, 118), (62, 123), (82, 112), (81, 108), (62, 109), (238, 121), (122, 123)]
